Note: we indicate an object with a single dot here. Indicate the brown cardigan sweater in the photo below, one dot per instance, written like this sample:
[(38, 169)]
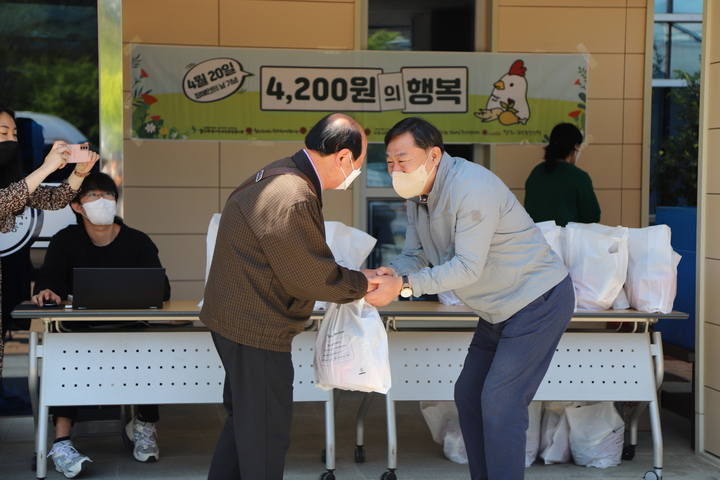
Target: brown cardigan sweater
[(271, 262)]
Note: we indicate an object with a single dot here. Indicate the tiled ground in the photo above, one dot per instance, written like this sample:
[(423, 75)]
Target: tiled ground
[(187, 436)]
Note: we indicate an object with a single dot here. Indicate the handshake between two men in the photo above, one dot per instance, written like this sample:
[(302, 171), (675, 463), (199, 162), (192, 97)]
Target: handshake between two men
[(383, 285)]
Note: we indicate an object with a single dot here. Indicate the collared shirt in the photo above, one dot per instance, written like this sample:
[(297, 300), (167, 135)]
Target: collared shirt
[(314, 167)]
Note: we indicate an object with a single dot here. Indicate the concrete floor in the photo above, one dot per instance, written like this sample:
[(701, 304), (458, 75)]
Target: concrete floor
[(187, 435)]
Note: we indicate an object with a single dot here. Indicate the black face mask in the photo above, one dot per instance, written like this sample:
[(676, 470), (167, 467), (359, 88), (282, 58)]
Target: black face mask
[(8, 152)]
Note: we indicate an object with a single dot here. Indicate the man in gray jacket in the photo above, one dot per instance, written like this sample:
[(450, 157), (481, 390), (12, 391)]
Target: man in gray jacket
[(468, 233)]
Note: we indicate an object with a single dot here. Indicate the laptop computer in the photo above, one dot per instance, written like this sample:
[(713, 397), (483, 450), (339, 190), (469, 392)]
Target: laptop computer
[(118, 288)]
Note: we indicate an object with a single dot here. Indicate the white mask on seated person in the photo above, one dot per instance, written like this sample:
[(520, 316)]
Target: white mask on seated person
[(101, 212)]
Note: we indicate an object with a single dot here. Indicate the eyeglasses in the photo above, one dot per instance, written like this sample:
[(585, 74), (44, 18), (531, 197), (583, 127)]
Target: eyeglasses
[(94, 196)]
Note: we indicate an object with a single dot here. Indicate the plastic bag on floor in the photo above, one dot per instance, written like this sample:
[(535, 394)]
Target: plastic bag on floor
[(532, 443), (437, 415), (442, 420), (453, 443), (555, 437), (555, 432), (597, 434)]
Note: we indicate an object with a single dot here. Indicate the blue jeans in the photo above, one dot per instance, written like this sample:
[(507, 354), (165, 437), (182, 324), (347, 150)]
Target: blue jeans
[(503, 369)]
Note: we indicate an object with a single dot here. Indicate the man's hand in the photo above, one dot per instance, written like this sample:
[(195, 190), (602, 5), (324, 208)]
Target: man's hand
[(372, 273), (46, 295), (387, 288)]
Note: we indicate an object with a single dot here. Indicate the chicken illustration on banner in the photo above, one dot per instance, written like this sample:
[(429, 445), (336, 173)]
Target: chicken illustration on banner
[(508, 101)]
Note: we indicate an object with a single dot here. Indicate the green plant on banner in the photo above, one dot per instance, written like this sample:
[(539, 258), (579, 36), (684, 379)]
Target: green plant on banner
[(578, 115), (145, 125)]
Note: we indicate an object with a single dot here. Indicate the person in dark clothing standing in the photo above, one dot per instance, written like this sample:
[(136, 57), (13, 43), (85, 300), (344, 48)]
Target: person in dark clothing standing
[(271, 263), (557, 189)]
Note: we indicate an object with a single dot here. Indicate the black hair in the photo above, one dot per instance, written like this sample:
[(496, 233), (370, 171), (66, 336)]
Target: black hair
[(12, 172), (564, 138), (330, 135), (425, 134), (95, 181)]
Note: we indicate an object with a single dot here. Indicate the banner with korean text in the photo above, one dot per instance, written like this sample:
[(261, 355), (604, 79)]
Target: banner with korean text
[(206, 93)]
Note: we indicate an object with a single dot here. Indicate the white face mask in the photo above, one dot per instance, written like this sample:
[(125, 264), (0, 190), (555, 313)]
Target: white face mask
[(348, 178), (100, 212), (412, 184)]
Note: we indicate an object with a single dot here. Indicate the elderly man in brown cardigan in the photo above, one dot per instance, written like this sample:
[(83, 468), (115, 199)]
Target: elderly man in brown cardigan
[(271, 263)]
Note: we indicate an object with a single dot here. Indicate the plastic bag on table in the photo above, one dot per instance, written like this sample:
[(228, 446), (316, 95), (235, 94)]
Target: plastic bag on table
[(351, 349), (554, 236), (449, 298), (597, 258), (210, 240), (652, 269), (597, 434), (532, 443)]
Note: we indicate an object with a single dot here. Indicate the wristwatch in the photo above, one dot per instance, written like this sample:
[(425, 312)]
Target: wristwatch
[(406, 291)]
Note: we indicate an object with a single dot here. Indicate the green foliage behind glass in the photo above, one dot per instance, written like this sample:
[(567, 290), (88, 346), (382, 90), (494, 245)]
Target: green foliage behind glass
[(676, 163), (68, 90)]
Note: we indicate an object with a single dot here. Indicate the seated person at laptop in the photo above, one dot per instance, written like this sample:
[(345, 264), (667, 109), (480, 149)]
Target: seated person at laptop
[(100, 239)]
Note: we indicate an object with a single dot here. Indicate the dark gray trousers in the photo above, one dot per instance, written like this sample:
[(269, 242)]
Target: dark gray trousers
[(258, 397), (503, 369)]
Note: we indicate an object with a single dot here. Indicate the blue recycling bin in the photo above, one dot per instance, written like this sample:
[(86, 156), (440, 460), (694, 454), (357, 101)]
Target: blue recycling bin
[(683, 225)]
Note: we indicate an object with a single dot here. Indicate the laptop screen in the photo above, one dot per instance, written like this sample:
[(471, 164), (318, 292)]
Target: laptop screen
[(118, 288)]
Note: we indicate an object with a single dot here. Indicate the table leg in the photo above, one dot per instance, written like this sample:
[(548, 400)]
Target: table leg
[(41, 441), (657, 438), (360, 427), (330, 431), (392, 432), (33, 375)]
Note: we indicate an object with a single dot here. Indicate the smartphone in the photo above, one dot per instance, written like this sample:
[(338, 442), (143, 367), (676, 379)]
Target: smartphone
[(79, 153)]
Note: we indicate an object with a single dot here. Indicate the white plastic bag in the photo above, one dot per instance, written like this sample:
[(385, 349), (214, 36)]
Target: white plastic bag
[(453, 442), (210, 242), (349, 246), (652, 269), (437, 415), (532, 434), (210, 246), (597, 258), (555, 433), (554, 236), (449, 298), (442, 420), (351, 349), (596, 434)]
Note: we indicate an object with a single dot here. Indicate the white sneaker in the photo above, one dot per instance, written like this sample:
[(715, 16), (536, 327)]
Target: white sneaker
[(144, 437), (68, 460)]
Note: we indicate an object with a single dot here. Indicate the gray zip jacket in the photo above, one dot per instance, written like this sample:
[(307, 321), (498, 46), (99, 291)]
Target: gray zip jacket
[(473, 237)]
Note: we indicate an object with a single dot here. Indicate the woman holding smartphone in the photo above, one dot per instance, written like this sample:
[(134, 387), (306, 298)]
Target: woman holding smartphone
[(17, 192)]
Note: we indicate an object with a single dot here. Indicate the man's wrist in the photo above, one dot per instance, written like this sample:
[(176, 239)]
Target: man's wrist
[(406, 290)]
